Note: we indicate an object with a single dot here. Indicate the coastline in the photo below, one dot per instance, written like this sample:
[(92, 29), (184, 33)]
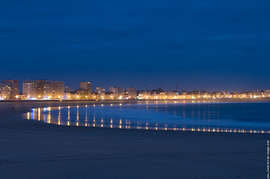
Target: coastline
[(33, 149), (142, 100)]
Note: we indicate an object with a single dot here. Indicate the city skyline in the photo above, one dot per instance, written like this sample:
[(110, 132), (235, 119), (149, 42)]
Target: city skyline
[(57, 90), (176, 86), (107, 88), (199, 45)]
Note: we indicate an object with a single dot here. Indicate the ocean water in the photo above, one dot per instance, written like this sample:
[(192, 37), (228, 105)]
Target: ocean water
[(211, 117)]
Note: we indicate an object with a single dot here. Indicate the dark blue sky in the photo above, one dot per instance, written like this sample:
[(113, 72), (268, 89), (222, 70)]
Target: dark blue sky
[(211, 45)]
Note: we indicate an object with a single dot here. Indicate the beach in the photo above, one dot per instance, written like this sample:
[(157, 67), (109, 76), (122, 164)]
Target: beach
[(33, 149)]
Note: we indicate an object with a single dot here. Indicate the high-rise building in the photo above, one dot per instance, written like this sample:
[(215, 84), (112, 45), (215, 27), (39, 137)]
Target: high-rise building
[(87, 86), (44, 89), (58, 89), (9, 89), (30, 89)]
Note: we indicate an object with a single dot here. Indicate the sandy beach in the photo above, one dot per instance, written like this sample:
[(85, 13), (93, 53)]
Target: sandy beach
[(33, 149)]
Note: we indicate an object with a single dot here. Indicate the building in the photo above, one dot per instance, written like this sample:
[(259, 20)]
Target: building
[(257, 93), (100, 93), (132, 93), (9, 89), (112, 89), (87, 86), (144, 95), (44, 89), (67, 89), (266, 93), (109, 95), (169, 94), (80, 94), (100, 89), (58, 89), (30, 89), (117, 91)]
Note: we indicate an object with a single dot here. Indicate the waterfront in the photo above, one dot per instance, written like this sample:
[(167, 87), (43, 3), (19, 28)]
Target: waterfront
[(251, 117)]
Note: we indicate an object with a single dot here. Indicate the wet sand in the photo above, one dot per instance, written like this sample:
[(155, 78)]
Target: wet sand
[(32, 149)]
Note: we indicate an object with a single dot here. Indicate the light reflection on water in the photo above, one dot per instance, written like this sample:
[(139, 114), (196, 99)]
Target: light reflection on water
[(189, 118)]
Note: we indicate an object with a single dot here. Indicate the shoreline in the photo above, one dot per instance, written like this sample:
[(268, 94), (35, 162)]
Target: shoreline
[(33, 149), (46, 103), (73, 104), (37, 114), (142, 100)]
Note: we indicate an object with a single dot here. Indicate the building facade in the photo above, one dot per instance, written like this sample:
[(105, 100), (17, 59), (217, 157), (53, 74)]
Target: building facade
[(44, 89), (87, 86), (100, 90), (132, 93), (117, 91), (9, 89)]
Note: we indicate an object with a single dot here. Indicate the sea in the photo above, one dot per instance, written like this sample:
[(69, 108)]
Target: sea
[(240, 117)]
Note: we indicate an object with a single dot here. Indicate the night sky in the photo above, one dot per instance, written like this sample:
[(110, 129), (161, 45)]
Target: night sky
[(201, 45)]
